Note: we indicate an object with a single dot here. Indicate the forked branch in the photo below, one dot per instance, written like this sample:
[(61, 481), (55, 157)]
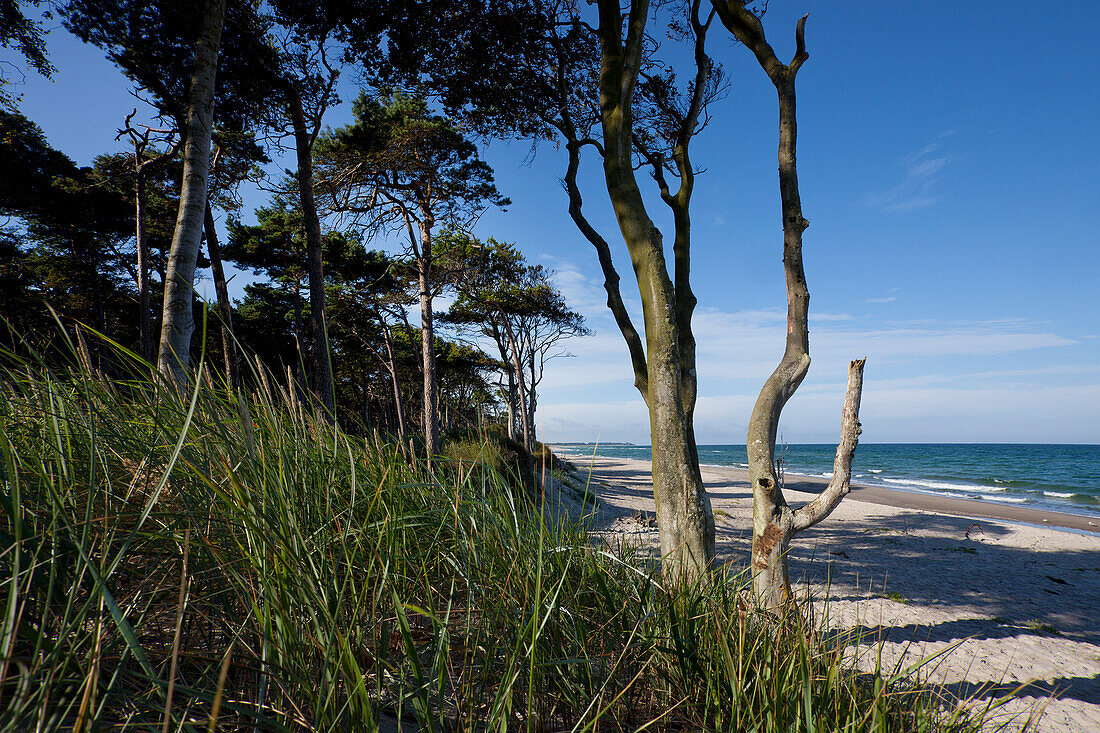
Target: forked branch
[(841, 482)]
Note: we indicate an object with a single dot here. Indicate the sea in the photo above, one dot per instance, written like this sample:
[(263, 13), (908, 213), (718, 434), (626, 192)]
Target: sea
[(1063, 478)]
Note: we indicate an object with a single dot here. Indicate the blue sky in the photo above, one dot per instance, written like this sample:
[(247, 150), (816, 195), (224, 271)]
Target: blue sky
[(947, 161)]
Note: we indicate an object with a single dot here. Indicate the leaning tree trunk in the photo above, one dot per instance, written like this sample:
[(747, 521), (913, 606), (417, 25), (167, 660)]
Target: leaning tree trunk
[(225, 311), (391, 367), (145, 301), (511, 405), (684, 517), (774, 522), (532, 397), (683, 507), (498, 337), (521, 397), (322, 366), (229, 343), (145, 304), (178, 323)]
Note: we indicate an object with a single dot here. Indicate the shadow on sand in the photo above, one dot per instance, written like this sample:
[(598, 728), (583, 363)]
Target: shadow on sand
[(952, 564)]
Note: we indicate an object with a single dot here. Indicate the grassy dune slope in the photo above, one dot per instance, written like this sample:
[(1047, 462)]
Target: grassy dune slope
[(156, 570)]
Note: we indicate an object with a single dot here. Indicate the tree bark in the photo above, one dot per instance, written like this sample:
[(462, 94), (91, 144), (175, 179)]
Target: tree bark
[(225, 310), (684, 518), (178, 323), (521, 398), (532, 399), (502, 348), (775, 523), (141, 174), (427, 339), (511, 404), (772, 518), (322, 366)]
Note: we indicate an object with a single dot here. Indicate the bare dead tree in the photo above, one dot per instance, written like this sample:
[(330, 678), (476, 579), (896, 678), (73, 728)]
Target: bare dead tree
[(143, 137), (774, 522)]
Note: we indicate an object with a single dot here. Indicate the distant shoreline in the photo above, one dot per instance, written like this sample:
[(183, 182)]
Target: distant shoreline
[(902, 499), (1059, 479)]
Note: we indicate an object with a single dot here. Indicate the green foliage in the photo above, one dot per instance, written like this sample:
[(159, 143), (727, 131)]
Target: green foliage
[(488, 453), (274, 247), (27, 162), (515, 304), (343, 584), (69, 234), (499, 289), (398, 163), (26, 36), (496, 63), (545, 457), (152, 43)]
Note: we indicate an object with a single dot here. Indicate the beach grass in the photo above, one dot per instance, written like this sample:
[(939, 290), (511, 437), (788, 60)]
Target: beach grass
[(173, 562)]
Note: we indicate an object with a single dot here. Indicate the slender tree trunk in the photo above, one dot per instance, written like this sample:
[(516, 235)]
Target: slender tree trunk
[(145, 302), (225, 310), (683, 508), (145, 305), (532, 400), (427, 347), (498, 337), (398, 405), (511, 405), (322, 366), (398, 401), (178, 323), (521, 398), (773, 520)]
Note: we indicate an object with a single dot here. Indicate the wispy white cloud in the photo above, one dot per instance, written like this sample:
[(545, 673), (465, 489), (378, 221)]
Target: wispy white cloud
[(746, 345), (1036, 378), (582, 290), (921, 172), (910, 392), (893, 411), (889, 413)]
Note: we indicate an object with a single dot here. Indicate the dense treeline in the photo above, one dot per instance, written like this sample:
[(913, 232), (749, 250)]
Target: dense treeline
[(351, 328)]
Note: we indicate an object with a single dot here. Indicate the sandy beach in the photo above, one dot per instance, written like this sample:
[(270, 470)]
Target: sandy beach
[(1017, 590)]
